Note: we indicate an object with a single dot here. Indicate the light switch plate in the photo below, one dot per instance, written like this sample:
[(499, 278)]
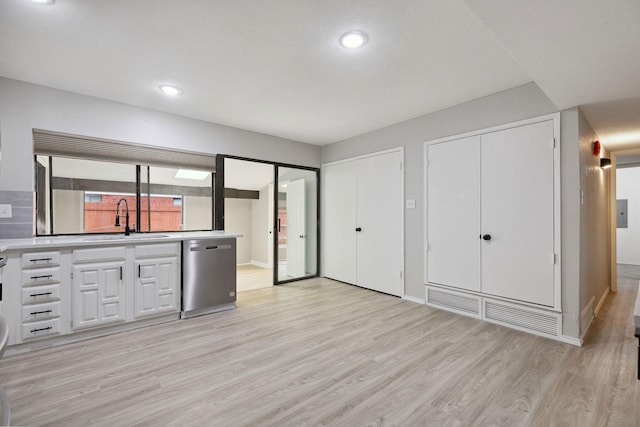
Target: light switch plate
[(5, 211), (411, 204)]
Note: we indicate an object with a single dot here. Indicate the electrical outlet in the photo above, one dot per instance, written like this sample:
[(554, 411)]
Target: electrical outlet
[(411, 204), (5, 211)]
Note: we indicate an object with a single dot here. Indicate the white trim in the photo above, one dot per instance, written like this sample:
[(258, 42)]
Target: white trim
[(260, 264), (586, 317), (603, 298), (364, 156), (570, 340), (421, 301), (399, 149), (554, 116)]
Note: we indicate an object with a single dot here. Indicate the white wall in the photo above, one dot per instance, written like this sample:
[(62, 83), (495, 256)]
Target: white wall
[(237, 218), (261, 227), (504, 107), (628, 239), (24, 106)]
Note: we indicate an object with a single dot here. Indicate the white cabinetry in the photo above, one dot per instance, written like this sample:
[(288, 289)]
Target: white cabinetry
[(157, 279), (98, 290), (492, 223), (363, 237), (41, 291)]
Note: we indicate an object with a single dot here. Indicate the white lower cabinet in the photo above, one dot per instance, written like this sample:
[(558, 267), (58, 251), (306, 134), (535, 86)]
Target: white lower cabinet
[(156, 288), (72, 290), (41, 295), (98, 294)]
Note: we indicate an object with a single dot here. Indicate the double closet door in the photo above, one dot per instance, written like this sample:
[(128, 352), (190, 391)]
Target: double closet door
[(490, 214), (363, 222)]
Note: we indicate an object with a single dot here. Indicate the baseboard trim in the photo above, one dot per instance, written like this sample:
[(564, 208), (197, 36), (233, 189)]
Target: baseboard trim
[(259, 264), (586, 317), (570, 340), (414, 299), (603, 298)]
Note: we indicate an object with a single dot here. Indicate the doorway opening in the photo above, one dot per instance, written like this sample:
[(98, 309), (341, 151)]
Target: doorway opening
[(626, 222), (274, 207)]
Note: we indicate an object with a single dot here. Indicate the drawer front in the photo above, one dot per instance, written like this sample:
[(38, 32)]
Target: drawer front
[(34, 312), (38, 294), (40, 276), (111, 253), (157, 250), (40, 329), (40, 259)]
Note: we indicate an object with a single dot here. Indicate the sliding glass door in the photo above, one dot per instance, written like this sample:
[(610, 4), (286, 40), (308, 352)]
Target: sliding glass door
[(273, 206)]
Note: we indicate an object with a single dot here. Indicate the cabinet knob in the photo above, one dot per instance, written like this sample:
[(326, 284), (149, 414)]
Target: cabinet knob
[(359, 229), (486, 237)]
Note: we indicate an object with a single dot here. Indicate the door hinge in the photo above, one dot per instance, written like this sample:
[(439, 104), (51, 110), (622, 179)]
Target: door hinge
[(428, 247), (71, 324), (554, 143), (401, 274), (72, 275), (555, 259), (400, 166)]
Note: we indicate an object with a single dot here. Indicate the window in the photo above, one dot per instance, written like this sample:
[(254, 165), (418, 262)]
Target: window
[(76, 196)]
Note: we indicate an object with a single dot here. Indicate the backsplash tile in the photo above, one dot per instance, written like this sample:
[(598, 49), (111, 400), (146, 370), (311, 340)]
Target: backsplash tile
[(20, 225)]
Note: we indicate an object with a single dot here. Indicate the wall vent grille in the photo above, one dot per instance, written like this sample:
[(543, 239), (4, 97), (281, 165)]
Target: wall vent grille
[(531, 320), (455, 302)]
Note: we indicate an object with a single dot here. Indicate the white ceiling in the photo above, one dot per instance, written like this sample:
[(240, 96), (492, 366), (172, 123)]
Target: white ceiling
[(276, 66)]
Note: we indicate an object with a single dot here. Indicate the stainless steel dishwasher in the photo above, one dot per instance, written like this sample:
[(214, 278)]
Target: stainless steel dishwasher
[(208, 276)]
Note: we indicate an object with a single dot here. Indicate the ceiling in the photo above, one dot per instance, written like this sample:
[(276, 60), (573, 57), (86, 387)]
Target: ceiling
[(276, 67)]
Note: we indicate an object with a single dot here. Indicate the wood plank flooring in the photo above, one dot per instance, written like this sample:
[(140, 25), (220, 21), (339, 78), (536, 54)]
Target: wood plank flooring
[(319, 352), (250, 277)]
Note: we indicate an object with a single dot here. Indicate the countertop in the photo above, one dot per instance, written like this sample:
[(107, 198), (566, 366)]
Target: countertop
[(46, 242)]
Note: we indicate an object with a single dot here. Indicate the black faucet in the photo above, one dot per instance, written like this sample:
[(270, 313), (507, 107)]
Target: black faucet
[(126, 226)]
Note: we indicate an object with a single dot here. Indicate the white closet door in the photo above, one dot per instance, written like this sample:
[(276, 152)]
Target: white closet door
[(453, 213), (339, 221), (517, 212), (296, 228), (380, 218)]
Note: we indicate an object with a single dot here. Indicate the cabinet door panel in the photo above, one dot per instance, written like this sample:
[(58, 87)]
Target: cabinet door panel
[(156, 287), (97, 294), (380, 218), (453, 213), (518, 211), (339, 222)]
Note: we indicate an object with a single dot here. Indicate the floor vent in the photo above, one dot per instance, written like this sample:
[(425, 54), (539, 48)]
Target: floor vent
[(455, 302), (524, 318)]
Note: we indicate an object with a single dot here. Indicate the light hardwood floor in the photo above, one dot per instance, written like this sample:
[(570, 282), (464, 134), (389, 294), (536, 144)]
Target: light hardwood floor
[(319, 352), (250, 277)]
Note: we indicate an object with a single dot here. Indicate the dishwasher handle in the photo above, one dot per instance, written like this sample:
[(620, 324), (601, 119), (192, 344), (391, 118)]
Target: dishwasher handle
[(209, 248)]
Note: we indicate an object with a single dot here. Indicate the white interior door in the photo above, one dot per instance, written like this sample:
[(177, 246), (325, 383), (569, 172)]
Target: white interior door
[(296, 228), (517, 213), (339, 221), (380, 210), (453, 213)]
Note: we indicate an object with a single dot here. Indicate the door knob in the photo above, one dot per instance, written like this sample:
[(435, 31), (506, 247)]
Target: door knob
[(486, 237), (359, 229)]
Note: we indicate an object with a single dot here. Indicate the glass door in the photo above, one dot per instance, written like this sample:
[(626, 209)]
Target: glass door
[(296, 223)]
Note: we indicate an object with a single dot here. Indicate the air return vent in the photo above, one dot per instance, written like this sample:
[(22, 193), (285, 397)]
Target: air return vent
[(523, 318), (463, 304)]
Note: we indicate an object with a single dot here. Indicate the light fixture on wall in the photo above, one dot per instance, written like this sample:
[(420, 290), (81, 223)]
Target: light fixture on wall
[(605, 163)]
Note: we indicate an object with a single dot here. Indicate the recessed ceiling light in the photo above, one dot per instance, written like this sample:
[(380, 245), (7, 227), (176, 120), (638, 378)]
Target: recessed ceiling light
[(353, 39), (170, 90), (191, 174), (43, 1)]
